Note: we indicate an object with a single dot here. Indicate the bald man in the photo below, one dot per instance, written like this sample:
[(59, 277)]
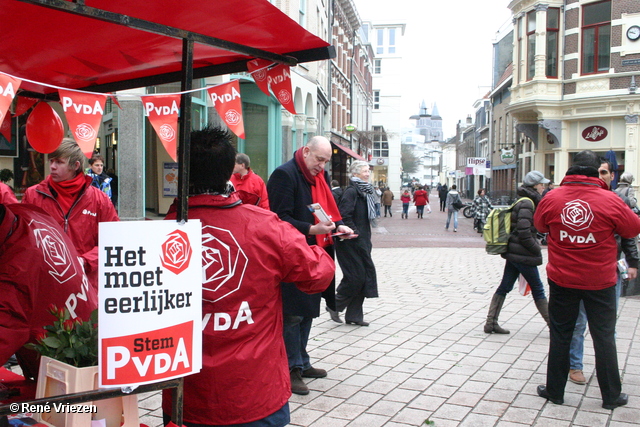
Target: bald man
[(291, 188)]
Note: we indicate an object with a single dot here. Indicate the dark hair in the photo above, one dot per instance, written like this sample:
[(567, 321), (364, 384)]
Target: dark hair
[(335, 183), (587, 158), (212, 160), (480, 191), (95, 157), (609, 164), (453, 187)]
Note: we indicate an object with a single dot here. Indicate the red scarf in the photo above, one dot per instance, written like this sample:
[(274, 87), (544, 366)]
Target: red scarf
[(320, 193), (68, 191)]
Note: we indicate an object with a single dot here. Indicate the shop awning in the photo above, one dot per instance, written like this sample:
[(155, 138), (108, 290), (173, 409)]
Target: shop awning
[(349, 151), (77, 45)]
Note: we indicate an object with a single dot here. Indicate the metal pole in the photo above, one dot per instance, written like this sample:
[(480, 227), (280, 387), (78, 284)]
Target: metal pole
[(185, 131)]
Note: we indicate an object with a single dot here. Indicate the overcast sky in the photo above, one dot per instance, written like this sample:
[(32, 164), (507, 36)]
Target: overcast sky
[(451, 50)]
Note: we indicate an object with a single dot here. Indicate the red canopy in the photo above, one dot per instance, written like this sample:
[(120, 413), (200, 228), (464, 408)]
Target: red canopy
[(42, 41)]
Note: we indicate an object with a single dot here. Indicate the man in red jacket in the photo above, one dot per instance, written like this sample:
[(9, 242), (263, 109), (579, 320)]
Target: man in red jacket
[(247, 252), (581, 217), (245, 179), (38, 266), (67, 195)]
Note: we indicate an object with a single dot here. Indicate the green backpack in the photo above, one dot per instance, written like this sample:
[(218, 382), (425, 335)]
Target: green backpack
[(497, 229)]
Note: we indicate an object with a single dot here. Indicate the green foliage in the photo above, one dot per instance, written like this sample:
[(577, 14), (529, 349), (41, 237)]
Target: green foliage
[(71, 341), (408, 159), (428, 422)]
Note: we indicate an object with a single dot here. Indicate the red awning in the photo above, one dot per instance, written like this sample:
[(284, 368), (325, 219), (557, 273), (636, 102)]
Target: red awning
[(62, 48), (349, 151)]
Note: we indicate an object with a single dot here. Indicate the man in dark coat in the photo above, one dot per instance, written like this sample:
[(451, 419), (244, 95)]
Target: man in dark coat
[(292, 187), (442, 194)]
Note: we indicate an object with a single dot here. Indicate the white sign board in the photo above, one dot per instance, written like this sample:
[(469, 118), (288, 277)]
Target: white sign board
[(150, 301), (476, 165)]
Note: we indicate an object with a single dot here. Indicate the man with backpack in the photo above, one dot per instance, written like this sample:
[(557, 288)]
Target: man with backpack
[(522, 253), (453, 203)]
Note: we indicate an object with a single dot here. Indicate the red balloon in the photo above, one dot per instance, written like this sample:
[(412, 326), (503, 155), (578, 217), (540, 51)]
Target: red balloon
[(44, 128)]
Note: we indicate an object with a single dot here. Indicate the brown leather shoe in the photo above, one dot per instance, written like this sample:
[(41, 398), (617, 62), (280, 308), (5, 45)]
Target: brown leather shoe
[(297, 385), (314, 373), (576, 376)]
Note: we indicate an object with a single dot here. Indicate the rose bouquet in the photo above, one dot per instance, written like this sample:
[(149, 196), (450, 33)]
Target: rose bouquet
[(72, 341)]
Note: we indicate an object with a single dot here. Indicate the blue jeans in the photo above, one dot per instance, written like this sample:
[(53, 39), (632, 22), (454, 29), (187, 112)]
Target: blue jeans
[(455, 218), (576, 350), (420, 210), (405, 208), (530, 272), (296, 330)]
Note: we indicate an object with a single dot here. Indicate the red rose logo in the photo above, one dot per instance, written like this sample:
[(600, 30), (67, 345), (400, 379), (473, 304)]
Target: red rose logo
[(176, 252), (223, 263), (55, 252), (85, 132), (284, 96), (232, 117), (577, 215), (166, 132), (260, 75)]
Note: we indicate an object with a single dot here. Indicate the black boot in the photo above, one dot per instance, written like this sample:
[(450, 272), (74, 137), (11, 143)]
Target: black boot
[(492, 318)]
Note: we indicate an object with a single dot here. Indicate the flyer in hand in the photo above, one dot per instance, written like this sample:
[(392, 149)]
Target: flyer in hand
[(319, 213)]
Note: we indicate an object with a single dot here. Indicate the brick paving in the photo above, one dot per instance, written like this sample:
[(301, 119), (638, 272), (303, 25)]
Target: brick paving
[(425, 359)]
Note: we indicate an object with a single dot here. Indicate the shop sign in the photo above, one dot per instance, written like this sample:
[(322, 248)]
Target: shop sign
[(507, 156), (595, 133)]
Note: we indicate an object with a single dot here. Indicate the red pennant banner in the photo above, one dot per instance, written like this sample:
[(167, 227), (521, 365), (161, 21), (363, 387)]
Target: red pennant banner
[(5, 127), (280, 81), (226, 98), (163, 112), (8, 88), (84, 113), (23, 105), (258, 69)]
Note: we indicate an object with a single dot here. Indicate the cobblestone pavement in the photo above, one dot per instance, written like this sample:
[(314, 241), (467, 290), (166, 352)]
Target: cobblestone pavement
[(425, 359)]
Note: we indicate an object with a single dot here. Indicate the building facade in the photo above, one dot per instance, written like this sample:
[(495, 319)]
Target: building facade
[(574, 84)]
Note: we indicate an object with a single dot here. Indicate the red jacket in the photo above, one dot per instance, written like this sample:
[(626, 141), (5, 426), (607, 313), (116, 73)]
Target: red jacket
[(420, 197), (252, 183), (38, 266), (6, 195), (81, 222), (405, 198), (581, 217), (245, 374)]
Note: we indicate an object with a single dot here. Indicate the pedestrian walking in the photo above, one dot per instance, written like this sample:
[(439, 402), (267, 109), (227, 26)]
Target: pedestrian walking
[(452, 197), (387, 199), (480, 209), (359, 280), (442, 194), (405, 197), (420, 199), (523, 254)]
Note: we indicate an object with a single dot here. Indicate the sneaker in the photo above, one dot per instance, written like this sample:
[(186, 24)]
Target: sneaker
[(314, 373), (455, 230), (297, 385), (576, 376)]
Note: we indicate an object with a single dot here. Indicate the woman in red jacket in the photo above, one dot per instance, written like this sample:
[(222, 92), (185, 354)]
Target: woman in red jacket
[(406, 199), (420, 198)]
